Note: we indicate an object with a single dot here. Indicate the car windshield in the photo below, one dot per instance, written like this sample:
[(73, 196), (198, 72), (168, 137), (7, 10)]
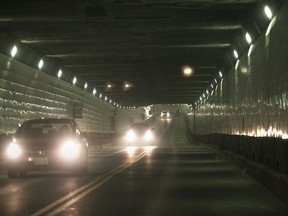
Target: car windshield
[(140, 127), (44, 129)]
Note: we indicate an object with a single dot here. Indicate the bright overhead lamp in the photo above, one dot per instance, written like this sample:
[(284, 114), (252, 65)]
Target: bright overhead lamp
[(235, 53), (220, 74), (85, 85), (109, 86), (268, 12), (127, 85), (105, 98), (40, 64), (100, 95), (74, 80), (94, 91), (14, 51), (59, 73), (187, 71), (248, 38)]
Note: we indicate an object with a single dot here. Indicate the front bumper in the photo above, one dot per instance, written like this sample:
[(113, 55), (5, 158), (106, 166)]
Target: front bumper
[(47, 161)]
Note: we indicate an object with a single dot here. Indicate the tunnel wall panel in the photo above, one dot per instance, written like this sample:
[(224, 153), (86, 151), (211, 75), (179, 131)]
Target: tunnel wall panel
[(27, 93), (251, 99)]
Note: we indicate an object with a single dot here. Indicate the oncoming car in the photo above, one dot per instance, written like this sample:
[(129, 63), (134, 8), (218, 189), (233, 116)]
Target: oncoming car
[(165, 115), (140, 134), (47, 144)]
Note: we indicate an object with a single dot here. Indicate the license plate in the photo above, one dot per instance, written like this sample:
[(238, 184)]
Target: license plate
[(41, 161)]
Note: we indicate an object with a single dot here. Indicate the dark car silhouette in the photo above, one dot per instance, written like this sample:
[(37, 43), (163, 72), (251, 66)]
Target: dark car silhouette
[(47, 144)]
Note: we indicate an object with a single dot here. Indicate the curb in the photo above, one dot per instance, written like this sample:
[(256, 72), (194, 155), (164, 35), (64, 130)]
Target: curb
[(275, 181)]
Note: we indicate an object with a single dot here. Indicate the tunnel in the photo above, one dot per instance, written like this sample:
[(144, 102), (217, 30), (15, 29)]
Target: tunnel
[(214, 96)]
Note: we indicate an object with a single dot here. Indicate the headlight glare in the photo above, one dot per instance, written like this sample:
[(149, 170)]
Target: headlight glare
[(13, 151), (69, 150), (131, 135), (148, 135)]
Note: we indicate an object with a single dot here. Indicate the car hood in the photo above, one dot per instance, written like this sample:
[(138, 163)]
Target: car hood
[(37, 144)]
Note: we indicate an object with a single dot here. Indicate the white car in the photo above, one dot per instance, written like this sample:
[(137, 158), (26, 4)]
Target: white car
[(165, 115), (140, 134)]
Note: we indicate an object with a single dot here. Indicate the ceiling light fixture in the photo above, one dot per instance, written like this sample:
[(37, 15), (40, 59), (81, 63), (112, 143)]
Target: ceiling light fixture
[(248, 38), (268, 12), (40, 64), (235, 53), (74, 80), (220, 74), (94, 91), (13, 51), (187, 71), (59, 74)]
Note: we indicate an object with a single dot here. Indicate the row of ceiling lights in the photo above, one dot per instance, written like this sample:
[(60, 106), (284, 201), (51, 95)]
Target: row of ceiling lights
[(219, 77), (74, 81), (214, 83)]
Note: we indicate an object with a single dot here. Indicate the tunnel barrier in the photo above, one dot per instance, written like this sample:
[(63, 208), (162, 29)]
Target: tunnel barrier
[(251, 98), (266, 159), (272, 152)]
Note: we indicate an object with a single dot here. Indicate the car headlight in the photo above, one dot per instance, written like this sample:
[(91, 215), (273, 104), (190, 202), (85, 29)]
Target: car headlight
[(13, 151), (70, 150), (130, 136), (148, 135)]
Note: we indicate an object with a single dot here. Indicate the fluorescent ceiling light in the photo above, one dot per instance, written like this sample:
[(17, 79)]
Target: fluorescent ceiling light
[(74, 80), (14, 51), (235, 53), (94, 91), (268, 12), (40, 64), (59, 73), (248, 38)]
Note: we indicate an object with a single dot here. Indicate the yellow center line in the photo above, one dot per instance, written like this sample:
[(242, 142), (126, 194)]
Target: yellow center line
[(76, 195), (117, 152)]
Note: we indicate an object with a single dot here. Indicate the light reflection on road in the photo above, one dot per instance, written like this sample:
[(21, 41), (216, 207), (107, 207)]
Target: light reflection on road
[(131, 150)]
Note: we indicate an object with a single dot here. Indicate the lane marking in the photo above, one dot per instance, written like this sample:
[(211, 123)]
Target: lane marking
[(62, 203), (106, 153), (117, 152)]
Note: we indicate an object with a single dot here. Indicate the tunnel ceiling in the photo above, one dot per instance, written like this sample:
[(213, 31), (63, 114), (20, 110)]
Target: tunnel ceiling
[(143, 42)]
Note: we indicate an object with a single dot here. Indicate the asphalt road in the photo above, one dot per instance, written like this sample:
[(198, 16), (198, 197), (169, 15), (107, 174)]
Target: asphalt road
[(176, 178)]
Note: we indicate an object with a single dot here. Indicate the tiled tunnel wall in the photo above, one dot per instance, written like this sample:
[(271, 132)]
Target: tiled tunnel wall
[(252, 99), (27, 93)]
